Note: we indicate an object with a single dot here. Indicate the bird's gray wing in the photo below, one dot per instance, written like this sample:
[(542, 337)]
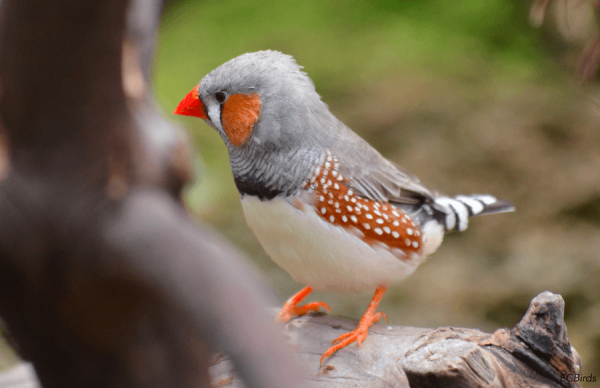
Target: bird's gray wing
[(384, 181), (372, 176)]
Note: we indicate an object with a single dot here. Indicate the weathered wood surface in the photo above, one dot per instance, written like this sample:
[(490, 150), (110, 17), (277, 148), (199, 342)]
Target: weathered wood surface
[(533, 354)]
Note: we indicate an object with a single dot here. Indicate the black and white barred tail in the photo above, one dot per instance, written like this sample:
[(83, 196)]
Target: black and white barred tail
[(457, 210)]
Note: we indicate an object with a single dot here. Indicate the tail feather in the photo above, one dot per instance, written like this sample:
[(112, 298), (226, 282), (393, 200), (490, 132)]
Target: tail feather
[(457, 210)]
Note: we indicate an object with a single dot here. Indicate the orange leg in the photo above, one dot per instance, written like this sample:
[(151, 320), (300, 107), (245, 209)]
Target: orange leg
[(361, 332), (291, 309)]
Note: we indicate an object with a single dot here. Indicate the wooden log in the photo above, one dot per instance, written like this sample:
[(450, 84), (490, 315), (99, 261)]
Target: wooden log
[(535, 353)]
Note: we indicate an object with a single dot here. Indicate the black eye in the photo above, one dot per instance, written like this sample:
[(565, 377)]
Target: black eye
[(220, 97)]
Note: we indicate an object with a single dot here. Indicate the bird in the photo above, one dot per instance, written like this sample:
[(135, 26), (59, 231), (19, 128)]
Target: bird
[(323, 203)]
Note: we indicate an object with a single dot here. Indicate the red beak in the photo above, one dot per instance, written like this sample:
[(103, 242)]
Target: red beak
[(191, 105)]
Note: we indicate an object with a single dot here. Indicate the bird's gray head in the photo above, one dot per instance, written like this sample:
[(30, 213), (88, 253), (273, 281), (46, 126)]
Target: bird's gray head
[(270, 117), (260, 99)]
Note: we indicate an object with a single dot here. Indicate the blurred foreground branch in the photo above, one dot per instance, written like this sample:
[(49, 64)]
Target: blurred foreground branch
[(104, 280), (536, 352)]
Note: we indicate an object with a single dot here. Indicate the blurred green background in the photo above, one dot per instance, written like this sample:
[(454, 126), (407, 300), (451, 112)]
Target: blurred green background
[(467, 95)]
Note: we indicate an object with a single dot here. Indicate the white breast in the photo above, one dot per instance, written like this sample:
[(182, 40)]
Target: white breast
[(319, 254)]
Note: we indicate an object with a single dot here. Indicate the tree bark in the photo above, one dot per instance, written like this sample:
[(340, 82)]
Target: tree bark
[(535, 353)]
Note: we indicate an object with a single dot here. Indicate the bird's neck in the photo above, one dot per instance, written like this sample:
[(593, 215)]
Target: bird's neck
[(272, 173)]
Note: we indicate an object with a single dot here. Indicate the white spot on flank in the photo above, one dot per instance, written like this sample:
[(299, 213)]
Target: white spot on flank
[(386, 216), (353, 200), (346, 198), (384, 208), (379, 221), (317, 171), (415, 244), (350, 192), (322, 198), (404, 220), (323, 210), (395, 213), (329, 182), (357, 209), (353, 218), (334, 173), (386, 229), (327, 164), (349, 208), (366, 207), (322, 181), (332, 218), (367, 226), (395, 234), (336, 186), (409, 231), (407, 242), (340, 177), (378, 231), (330, 202), (330, 195), (417, 233), (336, 205), (377, 212), (396, 223), (369, 216), (344, 218)]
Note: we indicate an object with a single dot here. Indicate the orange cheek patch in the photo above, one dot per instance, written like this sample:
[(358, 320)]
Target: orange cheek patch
[(240, 113)]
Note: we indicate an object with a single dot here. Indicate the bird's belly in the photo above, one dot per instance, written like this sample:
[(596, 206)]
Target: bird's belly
[(319, 254)]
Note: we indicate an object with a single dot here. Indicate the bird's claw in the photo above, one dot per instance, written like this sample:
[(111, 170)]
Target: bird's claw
[(359, 334), (290, 311)]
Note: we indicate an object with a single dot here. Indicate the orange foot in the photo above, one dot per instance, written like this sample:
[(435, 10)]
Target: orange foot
[(360, 333), (291, 309)]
